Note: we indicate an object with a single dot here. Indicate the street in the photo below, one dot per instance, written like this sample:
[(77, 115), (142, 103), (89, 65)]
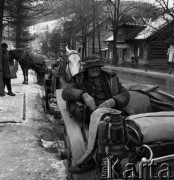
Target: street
[(128, 75)]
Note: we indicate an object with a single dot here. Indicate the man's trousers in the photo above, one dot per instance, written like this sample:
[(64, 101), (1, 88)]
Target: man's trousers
[(7, 83)]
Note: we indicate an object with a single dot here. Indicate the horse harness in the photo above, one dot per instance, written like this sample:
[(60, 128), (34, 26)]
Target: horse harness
[(23, 54)]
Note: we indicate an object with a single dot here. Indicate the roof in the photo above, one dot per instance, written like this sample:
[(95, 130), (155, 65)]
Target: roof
[(134, 32), (154, 26), (109, 39), (138, 22), (90, 29), (104, 49), (132, 20), (146, 32), (129, 36)]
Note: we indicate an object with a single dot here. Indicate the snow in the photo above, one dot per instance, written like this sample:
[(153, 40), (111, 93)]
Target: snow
[(45, 26), (48, 26), (109, 39), (154, 26)]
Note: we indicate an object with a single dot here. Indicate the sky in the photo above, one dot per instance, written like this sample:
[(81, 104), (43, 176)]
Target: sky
[(171, 2)]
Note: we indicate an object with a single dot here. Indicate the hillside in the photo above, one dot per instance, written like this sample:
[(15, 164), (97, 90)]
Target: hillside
[(58, 9)]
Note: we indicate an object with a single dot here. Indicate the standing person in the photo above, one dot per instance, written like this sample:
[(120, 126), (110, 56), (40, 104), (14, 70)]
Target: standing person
[(101, 94), (6, 69)]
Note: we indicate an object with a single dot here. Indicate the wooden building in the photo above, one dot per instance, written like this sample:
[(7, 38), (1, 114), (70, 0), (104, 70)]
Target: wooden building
[(149, 43)]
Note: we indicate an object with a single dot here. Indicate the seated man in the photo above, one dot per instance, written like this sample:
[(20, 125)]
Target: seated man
[(100, 93)]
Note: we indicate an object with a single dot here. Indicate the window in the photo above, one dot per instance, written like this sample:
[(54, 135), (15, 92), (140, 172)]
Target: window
[(141, 52), (110, 54), (138, 51), (120, 31)]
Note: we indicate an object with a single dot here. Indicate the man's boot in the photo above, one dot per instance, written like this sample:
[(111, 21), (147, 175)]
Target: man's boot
[(10, 93)]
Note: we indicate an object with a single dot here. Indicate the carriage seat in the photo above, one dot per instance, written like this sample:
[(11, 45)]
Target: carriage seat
[(138, 103), (155, 129), (142, 100)]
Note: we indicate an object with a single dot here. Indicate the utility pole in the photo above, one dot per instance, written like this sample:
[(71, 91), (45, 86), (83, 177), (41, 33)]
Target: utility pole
[(2, 93)]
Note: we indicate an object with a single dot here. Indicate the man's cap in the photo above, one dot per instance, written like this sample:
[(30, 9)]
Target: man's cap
[(4, 45), (92, 62)]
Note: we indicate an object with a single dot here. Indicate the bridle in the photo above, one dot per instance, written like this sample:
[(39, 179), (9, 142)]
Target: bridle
[(68, 61)]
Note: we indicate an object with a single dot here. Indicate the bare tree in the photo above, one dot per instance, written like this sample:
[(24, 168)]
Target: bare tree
[(85, 18), (115, 9), (97, 17), (83, 15)]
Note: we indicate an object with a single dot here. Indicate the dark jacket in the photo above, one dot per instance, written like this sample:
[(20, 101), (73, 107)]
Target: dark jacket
[(5, 65), (73, 91)]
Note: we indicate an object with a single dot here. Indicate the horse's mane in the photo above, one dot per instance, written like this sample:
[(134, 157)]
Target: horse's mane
[(73, 52), (62, 67)]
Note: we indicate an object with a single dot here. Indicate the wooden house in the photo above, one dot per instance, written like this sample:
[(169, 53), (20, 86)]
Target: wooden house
[(129, 28), (156, 40), (149, 43), (102, 32)]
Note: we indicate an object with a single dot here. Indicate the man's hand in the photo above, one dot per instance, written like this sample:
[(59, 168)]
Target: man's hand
[(89, 101), (110, 103)]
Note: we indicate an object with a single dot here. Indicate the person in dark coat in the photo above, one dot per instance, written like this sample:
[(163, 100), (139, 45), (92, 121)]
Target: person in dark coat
[(101, 92), (6, 69)]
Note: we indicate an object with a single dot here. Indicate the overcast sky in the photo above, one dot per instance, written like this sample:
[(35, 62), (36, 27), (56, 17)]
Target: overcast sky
[(153, 1)]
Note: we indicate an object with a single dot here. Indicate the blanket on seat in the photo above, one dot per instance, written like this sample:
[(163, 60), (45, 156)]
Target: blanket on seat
[(140, 87), (154, 127), (146, 98)]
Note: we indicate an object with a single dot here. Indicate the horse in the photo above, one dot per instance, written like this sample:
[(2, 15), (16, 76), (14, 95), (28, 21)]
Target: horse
[(28, 60), (68, 67)]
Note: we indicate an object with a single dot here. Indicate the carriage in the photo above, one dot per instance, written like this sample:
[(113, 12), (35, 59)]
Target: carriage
[(135, 146)]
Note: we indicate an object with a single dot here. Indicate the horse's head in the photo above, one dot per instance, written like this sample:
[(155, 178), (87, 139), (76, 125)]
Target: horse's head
[(73, 62), (16, 54)]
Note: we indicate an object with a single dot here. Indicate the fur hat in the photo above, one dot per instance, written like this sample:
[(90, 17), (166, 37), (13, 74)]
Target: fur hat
[(92, 62)]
